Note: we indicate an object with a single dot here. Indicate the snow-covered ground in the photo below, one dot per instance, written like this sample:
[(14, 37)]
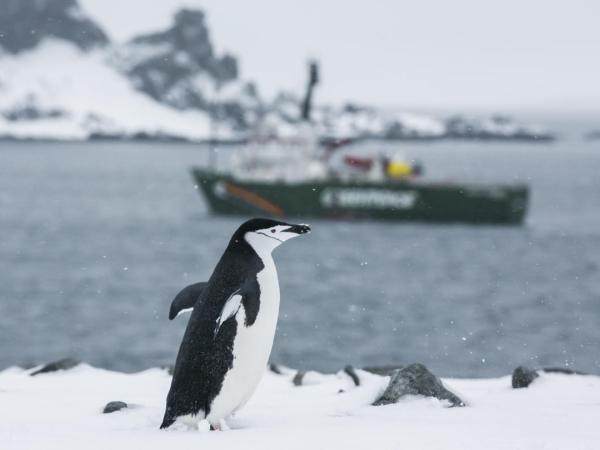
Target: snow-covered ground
[(89, 95), (63, 410)]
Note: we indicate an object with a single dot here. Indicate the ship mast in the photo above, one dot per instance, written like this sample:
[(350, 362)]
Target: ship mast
[(313, 80)]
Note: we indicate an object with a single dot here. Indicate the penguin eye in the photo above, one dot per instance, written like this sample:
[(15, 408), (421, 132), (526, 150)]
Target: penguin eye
[(273, 230)]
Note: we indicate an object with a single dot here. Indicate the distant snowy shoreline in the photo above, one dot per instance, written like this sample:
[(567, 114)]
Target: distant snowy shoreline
[(240, 140)]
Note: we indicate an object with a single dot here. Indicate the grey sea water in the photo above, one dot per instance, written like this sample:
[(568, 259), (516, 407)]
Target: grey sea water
[(96, 238)]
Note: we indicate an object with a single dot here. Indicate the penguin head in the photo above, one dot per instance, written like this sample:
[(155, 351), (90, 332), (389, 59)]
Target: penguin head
[(265, 235)]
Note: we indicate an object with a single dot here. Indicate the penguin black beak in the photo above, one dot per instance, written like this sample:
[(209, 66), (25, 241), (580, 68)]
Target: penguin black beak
[(298, 229)]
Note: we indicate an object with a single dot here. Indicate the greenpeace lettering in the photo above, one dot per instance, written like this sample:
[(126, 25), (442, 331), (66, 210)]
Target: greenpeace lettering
[(367, 198)]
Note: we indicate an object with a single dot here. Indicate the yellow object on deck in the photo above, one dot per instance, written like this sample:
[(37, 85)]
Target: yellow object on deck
[(398, 169)]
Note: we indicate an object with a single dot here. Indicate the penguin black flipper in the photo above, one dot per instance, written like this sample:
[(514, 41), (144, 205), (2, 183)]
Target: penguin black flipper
[(251, 300), (186, 299)]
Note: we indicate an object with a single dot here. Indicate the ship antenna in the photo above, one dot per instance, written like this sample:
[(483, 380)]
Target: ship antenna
[(313, 80)]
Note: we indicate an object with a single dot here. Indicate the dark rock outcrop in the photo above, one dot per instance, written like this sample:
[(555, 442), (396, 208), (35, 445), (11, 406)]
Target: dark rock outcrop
[(114, 406), (563, 371), (189, 35), (30, 110), (55, 366), (179, 67), (496, 127), (30, 113), (24, 23), (416, 379), (523, 376)]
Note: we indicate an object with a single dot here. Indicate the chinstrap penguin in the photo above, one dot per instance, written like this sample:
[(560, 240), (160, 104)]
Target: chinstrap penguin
[(229, 336)]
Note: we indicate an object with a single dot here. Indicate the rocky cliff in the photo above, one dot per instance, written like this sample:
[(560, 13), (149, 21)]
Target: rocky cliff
[(25, 23), (179, 67)]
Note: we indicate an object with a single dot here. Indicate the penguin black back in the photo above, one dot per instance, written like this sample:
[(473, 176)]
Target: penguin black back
[(206, 352)]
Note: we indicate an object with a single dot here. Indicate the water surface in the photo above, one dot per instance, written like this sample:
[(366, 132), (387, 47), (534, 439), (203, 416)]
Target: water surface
[(96, 238)]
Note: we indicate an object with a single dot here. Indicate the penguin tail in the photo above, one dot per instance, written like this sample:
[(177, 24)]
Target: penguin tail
[(168, 420)]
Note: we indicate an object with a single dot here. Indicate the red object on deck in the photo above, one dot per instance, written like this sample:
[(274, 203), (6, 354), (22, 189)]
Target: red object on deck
[(358, 163)]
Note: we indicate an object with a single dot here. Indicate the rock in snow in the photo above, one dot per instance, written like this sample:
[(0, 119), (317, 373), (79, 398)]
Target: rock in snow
[(416, 379), (61, 364), (522, 377), (113, 407), (563, 370)]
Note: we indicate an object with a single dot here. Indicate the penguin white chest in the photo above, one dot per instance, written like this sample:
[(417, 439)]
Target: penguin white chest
[(251, 347)]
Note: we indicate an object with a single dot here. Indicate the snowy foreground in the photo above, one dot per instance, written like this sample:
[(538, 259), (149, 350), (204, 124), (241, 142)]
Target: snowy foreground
[(63, 410)]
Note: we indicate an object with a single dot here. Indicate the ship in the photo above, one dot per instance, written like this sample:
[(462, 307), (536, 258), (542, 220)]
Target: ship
[(305, 177)]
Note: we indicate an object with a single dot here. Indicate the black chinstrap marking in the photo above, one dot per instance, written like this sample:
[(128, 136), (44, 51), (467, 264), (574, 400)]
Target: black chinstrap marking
[(272, 237)]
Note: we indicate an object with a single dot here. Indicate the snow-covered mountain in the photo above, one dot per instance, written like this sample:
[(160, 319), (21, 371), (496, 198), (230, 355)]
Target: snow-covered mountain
[(178, 67), (62, 78)]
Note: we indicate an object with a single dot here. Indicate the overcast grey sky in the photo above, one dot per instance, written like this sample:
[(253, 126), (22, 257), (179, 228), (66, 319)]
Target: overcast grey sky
[(505, 54)]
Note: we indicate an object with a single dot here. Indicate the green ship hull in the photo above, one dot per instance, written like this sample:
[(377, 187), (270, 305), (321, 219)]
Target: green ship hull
[(393, 200)]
